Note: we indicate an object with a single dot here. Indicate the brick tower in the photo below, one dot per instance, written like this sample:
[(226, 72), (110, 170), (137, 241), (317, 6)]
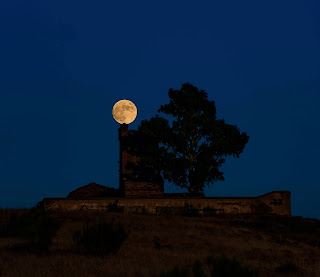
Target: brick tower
[(135, 182)]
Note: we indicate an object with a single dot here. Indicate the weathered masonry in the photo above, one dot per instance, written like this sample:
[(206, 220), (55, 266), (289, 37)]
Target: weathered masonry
[(276, 202), (135, 182), (142, 190)]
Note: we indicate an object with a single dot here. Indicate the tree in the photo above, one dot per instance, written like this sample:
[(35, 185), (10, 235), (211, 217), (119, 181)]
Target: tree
[(192, 147)]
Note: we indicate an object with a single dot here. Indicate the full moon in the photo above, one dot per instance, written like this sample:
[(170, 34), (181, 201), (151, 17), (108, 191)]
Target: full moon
[(124, 111)]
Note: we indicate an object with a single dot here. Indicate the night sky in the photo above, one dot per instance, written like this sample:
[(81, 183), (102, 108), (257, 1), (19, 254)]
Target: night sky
[(64, 64)]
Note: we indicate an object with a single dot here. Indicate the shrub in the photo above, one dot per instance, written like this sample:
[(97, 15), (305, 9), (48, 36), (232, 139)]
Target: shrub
[(156, 242), (160, 243), (165, 210), (218, 267), (190, 210), (114, 207), (176, 272), (208, 211), (287, 268), (197, 270), (36, 226), (99, 239), (224, 267)]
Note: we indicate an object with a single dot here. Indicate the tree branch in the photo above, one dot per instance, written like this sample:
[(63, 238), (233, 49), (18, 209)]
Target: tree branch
[(172, 149)]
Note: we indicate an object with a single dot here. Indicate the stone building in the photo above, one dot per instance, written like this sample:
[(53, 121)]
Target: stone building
[(134, 181), (93, 190), (142, 190)]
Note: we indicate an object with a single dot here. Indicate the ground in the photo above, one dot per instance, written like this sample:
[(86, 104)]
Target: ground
[(276, 246)]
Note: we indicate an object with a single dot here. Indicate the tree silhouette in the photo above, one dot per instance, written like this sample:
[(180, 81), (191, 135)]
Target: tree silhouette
[(192, 147)]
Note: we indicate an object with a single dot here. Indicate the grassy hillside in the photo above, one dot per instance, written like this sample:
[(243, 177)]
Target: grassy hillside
[(275, 246)]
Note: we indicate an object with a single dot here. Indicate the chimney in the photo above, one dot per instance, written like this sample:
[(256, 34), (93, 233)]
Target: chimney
[(123, 130)]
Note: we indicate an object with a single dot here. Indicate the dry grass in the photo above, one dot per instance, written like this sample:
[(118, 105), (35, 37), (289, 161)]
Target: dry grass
[(266, 243)]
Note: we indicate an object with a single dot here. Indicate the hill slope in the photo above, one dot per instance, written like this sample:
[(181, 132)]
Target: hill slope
[(276, 246)]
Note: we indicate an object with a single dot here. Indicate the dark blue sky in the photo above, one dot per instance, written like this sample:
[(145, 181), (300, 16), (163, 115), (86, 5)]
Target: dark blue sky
[(64, 64)]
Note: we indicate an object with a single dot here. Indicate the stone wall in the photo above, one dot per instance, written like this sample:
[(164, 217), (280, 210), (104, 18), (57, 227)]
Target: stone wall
[(143, 189), (276, 202), (135, 182)]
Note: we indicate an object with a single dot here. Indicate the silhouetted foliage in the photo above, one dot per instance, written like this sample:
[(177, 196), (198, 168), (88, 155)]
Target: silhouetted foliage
[(218, 267), (193, 147), (197, 270), (156, 242), (190, 210), (287, 268), (100, 239), (114, 207), (165, 211), (224, 267), (36, 226), (208, 211), (159, 243), (176, 272)]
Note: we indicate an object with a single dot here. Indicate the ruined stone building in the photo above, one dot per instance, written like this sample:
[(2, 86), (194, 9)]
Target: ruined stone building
[(142, 190), (134, 181)]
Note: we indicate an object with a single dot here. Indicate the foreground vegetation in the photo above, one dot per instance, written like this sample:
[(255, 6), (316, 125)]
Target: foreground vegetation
[(118, 244)]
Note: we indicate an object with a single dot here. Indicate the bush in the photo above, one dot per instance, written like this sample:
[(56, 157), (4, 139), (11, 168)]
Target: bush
[(114, 207), (156, 242), (165, 211), (208, 211), (190, 210), (287, 268), (175, 273), (197, 271), (35, 226), (218, 267), (100, 239), (224, 267)]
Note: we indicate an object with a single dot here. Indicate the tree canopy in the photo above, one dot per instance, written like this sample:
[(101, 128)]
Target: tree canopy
[(193, 144)]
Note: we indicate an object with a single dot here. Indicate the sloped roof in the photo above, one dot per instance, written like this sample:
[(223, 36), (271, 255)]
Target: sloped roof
[(91, 190)]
